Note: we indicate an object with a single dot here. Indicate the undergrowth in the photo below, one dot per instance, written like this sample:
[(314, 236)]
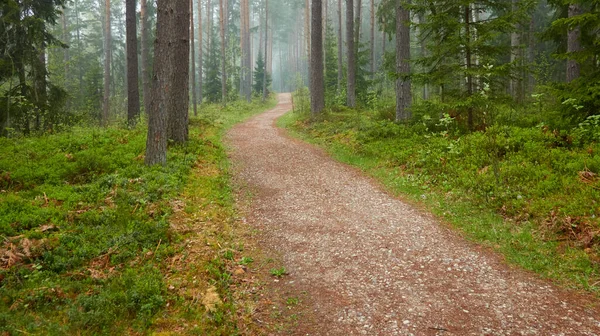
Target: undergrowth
[(85, 226), (530, 192)]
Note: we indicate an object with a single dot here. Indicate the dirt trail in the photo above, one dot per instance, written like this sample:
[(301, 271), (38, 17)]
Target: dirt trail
[(373, 265)]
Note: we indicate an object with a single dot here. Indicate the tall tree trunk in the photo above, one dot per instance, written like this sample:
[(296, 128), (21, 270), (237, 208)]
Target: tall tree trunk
[(179, 94), (79, 51), (340, 60), (357, 26), (403, 85), (573, 44), (307, 29), (531, 54), (372, 39), (146, 85), (193, 58), (264, 88), (515, 57), (468, 58), (317, 81), (209, 25), (200, 54), (156, 141), (223, 59), (351, 51), (133, 91), (65, 37), (107, 53), (247, 54)]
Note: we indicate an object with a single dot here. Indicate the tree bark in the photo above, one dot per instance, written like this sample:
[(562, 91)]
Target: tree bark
[(307, 29), (200, 54), (156, 141), (372, 39), (468, 66), (573, 44), (133, 92), (223, 46), (340, 60), (317, 81), (179, 94), (351, 51), (107, 53), (146, 85), (193, 58), (264, 96), (515, 58), (403, 85)]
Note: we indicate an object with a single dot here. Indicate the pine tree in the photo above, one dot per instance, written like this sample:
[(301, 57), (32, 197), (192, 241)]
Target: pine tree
[(212, 73), (259, 76)]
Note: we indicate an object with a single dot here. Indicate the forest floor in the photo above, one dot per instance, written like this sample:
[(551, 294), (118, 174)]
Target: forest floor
[(357, 260)]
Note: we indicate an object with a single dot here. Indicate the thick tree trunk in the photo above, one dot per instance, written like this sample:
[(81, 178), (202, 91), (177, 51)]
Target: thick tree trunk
[(179, 94), (107, 53), (146, 85), (79, 51), (351, 51), (133, 92), (264, 88), (156, 142), (573, 44), (317, 83), (403, 85), (193, 58), (223, 47)]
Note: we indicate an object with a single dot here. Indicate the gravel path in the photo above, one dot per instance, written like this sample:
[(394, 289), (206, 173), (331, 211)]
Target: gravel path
[(373, 265)]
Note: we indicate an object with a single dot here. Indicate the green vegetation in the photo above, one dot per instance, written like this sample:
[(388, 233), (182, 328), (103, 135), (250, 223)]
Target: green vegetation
[(530, 192), (88, 232)]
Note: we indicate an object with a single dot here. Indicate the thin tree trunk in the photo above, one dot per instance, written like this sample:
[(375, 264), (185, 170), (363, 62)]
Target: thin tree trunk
[(107, 53), (156, 141), (515, 45), (133, 92), (573, 44), (372, 39), (264, 96), (340, 60), (351, 51), (468, 57), (209, 23), (357, 26), (193, 58), (200, 54), (403, 85), (179, 95), (317, 83), (307, 29), (531, 54), (65, 33), (146, 85), (79, 51), (223, 47)]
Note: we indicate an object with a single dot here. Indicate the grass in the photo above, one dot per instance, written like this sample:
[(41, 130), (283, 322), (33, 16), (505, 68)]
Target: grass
[(530, 193), (90, 238)]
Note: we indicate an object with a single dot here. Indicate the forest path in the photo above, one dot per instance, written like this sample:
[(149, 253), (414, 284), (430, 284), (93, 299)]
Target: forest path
[(373, 265)]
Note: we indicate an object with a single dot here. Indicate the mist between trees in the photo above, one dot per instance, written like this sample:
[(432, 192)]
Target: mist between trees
[(93, 61)]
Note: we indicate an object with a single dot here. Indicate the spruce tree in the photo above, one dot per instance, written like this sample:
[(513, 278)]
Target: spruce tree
[(259, 76)]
